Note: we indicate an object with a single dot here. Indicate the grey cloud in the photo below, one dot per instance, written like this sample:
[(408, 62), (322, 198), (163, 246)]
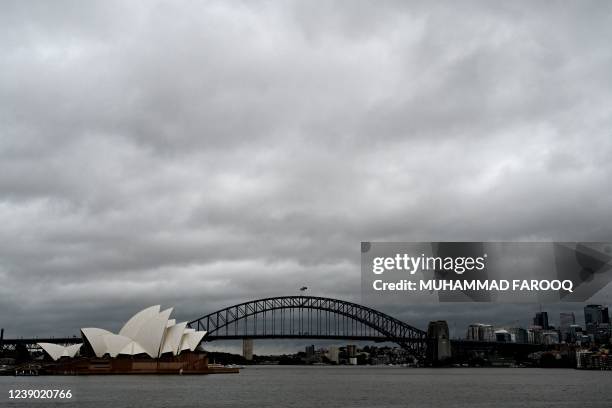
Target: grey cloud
[(202, 154)]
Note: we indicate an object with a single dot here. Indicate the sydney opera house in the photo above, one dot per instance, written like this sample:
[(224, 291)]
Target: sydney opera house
[(149, 342)]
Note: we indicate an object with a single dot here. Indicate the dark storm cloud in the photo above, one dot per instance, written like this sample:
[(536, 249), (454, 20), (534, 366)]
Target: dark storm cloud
[(200, 154)]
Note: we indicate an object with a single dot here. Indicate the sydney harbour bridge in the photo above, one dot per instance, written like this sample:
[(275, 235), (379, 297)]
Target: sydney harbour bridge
[(304, 317), (308, 317)]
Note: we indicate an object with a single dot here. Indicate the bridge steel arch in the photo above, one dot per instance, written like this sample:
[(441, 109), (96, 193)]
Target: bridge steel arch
[(308, 317)]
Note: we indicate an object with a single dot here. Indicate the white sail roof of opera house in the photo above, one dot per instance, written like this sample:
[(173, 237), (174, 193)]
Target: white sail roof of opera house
[(150, 331), (56, 351)]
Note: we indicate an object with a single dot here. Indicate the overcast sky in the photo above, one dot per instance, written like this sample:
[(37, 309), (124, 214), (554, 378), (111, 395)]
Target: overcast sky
[(199, 154)]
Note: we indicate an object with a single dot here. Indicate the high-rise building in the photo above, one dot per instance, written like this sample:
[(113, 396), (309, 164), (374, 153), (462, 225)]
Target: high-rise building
[(351, 353), (594, 315), (310, 352), (534, 335), (351, 350), (541, 319), (503, 336), (566, 320), (247, 349), (602, 334), (519, 335), (480, 332), (575, 332), (333, 354), (550, 337), (472, 332)]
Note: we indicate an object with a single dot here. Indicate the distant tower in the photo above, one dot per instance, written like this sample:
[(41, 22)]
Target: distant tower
[(566, 320), (438, 343), (595, 315), (310, 353), (597, 322), (480, 332), (247, 349), (351, 352), (541, 319), (333, 354)]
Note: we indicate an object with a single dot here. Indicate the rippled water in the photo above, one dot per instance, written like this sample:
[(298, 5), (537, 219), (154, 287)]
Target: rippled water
[(283, 386)]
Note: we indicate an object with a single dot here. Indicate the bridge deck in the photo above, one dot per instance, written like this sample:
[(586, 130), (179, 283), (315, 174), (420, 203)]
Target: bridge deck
[(56, 340)]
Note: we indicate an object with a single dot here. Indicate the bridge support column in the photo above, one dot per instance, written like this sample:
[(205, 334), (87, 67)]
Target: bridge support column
[(438, 343), (247, 349)]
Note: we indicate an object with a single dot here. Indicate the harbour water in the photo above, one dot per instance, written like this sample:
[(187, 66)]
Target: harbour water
[(328, 386)]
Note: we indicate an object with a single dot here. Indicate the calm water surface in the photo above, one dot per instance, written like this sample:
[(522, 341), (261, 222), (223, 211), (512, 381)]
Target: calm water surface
[(283, 386)]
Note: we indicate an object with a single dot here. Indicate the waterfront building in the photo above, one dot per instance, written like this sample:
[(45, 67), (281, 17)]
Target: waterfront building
[(149, 332), (480, 332), (583, 358), (333, 354), (550, 337), (601, 361), (519, 335), (602, 333), (597, 322), (148, 343), (573, 333), (566, 320), (594, 315), (351, 350), (503, 336), (310, 353), (534, 335), (583, 339), (593, 360)]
